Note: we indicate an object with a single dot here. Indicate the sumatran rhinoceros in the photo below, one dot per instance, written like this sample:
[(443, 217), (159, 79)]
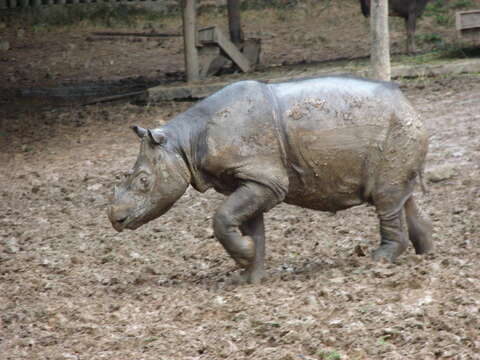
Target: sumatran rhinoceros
[(326, 143)]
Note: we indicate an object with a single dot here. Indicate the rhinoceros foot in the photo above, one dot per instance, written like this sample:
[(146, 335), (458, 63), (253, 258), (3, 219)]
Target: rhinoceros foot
[(254, 276), (249, 276), (387, 252), (244, 253)]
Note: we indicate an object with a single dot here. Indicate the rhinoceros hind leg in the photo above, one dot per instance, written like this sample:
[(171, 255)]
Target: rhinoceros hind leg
[(419, 227), (238, 225), (393, 234)]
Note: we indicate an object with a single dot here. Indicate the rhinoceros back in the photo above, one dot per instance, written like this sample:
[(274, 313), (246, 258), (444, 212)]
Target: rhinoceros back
[(334, 129)]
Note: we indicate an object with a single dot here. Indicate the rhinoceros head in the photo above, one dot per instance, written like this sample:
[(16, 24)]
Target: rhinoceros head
[(158, 179)]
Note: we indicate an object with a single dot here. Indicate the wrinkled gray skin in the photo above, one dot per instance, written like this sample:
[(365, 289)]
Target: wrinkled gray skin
[(326, 144), (410, 10)]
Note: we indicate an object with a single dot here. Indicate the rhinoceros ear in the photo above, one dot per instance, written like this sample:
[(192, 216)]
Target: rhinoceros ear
[(156, 137), (141, 132)]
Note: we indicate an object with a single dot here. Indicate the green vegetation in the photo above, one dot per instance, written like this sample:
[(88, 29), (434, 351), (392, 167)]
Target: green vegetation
[(461, 4), (441, 10), (382, 340), (431, 38), (264, 4), (93, 15), (440, 54), (329, 355)]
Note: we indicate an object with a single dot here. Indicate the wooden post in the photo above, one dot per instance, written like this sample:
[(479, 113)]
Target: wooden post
[(234, 25), (189, 11), (380, 47)]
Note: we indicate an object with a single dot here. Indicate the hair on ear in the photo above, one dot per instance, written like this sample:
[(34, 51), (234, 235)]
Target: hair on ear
[(141, 132), (156, 137)]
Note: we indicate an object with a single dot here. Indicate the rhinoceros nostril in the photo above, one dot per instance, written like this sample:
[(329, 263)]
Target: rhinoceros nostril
[(121, 220)]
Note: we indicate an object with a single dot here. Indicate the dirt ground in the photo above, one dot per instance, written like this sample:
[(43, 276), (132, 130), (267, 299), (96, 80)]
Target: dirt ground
[(73, 288)]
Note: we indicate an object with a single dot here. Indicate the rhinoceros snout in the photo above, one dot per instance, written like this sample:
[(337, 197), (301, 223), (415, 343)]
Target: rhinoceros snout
[(118, 216)]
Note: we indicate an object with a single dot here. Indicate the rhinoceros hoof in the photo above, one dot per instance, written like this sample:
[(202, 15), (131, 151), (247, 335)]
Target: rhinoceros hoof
[(384, 255), (248, 276), (253, 277)]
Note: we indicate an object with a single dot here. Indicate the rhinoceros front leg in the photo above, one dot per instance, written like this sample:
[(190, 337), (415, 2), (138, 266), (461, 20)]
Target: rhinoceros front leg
[(238, 225)]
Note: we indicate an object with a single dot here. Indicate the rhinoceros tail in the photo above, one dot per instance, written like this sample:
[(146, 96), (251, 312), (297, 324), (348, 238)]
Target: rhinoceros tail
[(422, 182)]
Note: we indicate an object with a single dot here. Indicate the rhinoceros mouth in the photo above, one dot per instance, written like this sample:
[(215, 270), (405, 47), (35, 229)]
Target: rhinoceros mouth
[(118, 225), (133, 225), (126, 224)]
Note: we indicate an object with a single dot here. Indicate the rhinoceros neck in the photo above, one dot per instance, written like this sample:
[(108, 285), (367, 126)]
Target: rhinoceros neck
[(188, 130)]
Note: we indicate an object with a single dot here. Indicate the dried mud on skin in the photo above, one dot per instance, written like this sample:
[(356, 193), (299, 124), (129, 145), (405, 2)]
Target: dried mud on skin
[(72, 288)]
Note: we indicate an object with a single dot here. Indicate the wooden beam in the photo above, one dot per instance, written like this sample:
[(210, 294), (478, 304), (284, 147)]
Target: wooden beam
[(380, 47), (120, 34), (466, 20), (212, 35), (234, 24), (189, 11)]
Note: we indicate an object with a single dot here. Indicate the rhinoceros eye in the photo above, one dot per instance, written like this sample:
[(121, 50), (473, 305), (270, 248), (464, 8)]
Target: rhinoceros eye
[(142, 183)]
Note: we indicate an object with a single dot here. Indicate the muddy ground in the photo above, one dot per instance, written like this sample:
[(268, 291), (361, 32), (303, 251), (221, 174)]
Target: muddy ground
[(73, 288)]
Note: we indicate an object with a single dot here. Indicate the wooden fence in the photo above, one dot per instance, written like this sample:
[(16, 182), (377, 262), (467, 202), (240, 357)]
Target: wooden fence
[(16, 4)]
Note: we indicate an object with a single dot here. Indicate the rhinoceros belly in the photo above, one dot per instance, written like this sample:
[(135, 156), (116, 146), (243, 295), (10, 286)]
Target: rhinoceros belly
[(333, 169)]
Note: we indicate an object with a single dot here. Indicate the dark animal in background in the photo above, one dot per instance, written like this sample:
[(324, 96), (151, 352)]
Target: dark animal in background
[(410, 10)]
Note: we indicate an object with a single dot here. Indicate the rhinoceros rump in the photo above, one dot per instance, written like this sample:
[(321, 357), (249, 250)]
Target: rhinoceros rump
[(326, 143)]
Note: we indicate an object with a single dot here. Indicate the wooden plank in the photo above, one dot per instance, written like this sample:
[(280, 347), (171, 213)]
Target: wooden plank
[(251, 49), (120, 34), (467, 20), (206, 36), (214, 35), (137, 95), (183, 91), (207, 55), (232, 51)]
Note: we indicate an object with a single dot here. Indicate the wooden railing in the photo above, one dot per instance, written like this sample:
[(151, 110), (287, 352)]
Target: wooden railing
[(15, 4)]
